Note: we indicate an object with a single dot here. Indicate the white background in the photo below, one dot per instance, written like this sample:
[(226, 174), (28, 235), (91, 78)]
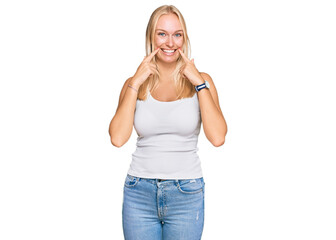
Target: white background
[(63, 64)]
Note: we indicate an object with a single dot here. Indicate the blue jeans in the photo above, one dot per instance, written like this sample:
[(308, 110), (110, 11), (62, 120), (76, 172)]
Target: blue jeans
[(155, 209)]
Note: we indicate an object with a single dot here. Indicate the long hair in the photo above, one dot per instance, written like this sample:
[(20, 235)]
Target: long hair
[(183, 86)]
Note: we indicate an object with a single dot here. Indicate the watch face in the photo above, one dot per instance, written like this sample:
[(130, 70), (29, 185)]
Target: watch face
[(207, 84)]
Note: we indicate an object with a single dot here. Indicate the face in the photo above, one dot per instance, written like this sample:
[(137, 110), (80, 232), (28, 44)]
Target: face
[(168, 36)]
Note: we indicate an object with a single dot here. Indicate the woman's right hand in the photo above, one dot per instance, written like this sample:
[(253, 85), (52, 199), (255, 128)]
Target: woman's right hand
[(145, 69)]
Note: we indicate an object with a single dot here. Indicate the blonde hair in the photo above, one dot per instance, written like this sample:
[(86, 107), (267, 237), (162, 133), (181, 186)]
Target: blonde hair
[(183, 86)]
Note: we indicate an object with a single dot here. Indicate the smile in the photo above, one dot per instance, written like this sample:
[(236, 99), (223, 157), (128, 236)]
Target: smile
[(168, 52)]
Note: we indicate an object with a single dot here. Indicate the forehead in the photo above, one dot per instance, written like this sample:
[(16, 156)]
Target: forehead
[(169, 22)]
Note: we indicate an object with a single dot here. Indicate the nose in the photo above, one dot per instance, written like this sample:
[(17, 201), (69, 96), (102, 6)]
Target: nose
[(170, 42)]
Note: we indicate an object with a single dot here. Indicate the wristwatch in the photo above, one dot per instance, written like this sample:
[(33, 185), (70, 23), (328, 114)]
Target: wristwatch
[(201, 86)]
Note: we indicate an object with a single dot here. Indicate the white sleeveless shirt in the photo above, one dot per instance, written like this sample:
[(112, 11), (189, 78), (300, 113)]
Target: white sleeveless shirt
[(168, 132)]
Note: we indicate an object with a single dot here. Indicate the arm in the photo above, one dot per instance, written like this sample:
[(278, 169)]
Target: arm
[(121, 126), (214, 124)]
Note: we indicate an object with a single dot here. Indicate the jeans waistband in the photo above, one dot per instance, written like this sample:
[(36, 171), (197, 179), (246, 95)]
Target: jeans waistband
[(156, 180)]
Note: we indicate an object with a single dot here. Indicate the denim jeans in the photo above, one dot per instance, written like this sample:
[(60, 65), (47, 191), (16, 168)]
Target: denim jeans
[(155, 209)]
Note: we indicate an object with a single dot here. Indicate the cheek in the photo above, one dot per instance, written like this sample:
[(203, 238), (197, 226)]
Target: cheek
[(179, 42), (158, 41)]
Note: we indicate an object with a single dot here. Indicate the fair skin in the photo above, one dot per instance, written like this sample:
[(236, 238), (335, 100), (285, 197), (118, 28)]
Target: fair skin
[(168, 36)]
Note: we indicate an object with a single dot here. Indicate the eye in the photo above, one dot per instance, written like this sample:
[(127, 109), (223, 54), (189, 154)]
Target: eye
[(178, 35), (161, 33)]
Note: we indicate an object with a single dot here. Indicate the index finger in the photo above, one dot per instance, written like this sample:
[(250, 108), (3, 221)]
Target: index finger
[(150, 56), (183, 56)]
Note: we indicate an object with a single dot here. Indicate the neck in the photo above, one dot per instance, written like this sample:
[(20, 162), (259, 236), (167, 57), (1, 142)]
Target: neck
[(166, 70)]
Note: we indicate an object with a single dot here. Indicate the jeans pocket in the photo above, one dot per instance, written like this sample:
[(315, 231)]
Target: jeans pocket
[(131, 181), (190, 186)]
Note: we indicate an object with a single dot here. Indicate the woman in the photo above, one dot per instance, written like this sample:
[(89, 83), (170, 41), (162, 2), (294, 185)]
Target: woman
[(166, 100)]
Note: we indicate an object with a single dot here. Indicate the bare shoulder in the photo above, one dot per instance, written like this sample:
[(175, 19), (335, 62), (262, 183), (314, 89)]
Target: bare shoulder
[(123, 90), (126, 83), (212, 89), (206, 77)]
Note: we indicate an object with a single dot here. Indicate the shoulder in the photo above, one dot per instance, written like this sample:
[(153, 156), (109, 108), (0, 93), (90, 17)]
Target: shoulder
[(128, 80), (206, 77), (212, 89), (123, 90)]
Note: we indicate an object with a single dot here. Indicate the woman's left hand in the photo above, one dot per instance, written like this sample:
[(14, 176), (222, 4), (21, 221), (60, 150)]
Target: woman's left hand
[(190, 70)]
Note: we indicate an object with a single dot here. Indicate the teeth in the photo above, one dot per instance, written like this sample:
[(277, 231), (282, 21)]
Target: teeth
[(169, 51)]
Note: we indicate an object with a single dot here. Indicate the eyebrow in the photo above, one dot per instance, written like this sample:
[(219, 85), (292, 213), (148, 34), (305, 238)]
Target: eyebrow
[(166, 31)]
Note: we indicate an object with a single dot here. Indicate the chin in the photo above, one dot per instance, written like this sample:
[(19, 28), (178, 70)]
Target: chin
[(170, 61), (166, 60)]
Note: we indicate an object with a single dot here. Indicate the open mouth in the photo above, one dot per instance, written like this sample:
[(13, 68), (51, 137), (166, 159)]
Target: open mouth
[(168, 51)]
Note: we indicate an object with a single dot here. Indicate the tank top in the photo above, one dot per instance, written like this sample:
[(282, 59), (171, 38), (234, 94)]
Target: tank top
[(166, 146)]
